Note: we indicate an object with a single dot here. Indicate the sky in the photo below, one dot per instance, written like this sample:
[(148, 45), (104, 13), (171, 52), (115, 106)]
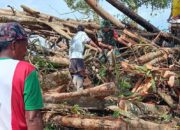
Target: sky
[(59, 9)]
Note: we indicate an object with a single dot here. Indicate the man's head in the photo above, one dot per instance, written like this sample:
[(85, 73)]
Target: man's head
[(13, 40), (80, 28), (106, 25)]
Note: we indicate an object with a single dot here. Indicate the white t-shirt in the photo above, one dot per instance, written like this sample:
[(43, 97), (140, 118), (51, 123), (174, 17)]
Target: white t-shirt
[(77, 45)]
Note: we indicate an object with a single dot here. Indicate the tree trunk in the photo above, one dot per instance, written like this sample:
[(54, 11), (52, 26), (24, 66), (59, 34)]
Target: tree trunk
[(99, 91), (103, 13), (62, 61), (85, 122), (167, 98), (135, 17)]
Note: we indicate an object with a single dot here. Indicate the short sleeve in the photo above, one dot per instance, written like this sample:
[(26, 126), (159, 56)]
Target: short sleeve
[(32, 92), (86, 39)]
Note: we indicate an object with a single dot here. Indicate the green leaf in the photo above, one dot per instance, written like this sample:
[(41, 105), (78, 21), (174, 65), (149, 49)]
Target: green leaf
[(116, 114)]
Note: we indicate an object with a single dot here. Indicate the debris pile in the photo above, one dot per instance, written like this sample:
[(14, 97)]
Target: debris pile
[(140, 89)]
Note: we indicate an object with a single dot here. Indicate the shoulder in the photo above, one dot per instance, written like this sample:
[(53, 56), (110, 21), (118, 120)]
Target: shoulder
[(25, 66), (82, 33), (23, 70)]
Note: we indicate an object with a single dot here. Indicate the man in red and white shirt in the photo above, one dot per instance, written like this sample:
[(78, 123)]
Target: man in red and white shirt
[(20, 95)]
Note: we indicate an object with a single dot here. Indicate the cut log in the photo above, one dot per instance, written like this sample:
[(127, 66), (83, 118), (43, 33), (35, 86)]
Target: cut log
[(56, 79), (130, 41), (144, 87), (148, 125), (150, 56), (171, 37), (58, 89), (122, 112), (103, 13), (95, 103), (133, 68), (141, 109), (158, 60), (30, 11), (167, 98), (62, 61), (135, 17), (85, 122), (140, 80), (58, 29), (158, 56), (157, 38), (137, 37), (99, 91)]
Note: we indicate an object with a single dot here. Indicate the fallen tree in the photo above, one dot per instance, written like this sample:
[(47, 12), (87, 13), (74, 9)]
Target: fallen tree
[(98, 91), (135, 17)]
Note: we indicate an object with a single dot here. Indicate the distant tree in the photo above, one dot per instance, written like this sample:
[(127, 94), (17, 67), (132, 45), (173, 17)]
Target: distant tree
[(155, 4), (82, 7)]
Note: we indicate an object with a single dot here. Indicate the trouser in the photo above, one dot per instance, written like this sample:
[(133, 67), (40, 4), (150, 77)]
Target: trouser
[(78, 82), (77, 69)]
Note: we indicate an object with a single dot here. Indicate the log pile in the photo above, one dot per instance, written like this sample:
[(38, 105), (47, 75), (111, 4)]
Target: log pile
[(139, 90)]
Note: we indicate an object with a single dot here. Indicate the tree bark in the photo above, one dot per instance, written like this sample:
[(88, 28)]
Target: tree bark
[(62, 61), (103, 13), (167, 98), (99, 91), (135, 17), (85, 122)]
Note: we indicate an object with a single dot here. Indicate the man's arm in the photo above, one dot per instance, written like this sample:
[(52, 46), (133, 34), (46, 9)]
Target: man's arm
[(105, 46), (34, 120), (33, 102), (100, 43), (94, 45)]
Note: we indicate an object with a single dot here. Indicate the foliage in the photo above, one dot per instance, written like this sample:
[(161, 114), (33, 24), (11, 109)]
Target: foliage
[(120, 112), (155, 4), (102, 71), (165, 117), (82, 7), (44, 64), (49, 127), (77, 110), (124, 86), (116, 114)]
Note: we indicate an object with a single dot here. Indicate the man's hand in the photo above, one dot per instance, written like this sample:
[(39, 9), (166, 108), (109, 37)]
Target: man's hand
[(110, 47), (99, 49), (34, 120)]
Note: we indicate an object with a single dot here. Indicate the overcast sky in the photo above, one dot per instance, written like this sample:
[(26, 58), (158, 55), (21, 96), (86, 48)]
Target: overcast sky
[(59, 8)]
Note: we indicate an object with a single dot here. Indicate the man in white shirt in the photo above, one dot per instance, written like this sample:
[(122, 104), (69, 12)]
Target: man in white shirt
[(77, 45)]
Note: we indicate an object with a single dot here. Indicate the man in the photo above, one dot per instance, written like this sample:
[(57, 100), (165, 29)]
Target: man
[(107, 37), (77, 68), (108, 40), (20, 95)]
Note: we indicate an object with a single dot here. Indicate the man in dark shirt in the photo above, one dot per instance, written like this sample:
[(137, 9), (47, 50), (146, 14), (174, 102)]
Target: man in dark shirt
[(108, 40)]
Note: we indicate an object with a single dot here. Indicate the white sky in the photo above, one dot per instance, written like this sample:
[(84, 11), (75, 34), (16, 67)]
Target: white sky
[(59, 7)]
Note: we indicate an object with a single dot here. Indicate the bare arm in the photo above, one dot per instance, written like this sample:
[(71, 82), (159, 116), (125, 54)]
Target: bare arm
[(34, 120), (94, 45), (105, 46)]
